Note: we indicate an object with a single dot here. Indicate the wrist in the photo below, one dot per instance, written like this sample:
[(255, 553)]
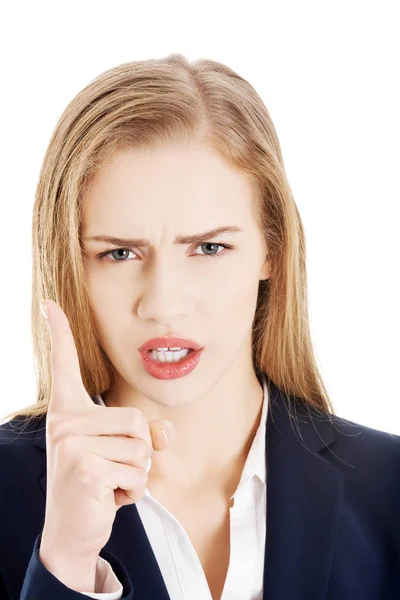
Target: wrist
[(76, 572)]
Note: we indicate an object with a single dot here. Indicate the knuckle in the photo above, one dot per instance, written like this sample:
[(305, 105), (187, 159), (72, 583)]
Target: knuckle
[(69, 444), (136, 476), (141, 477), (55, 426), (135, 417), (139, 450)]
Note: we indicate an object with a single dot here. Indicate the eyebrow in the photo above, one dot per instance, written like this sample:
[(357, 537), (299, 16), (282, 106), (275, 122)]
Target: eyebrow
[(180, 239)]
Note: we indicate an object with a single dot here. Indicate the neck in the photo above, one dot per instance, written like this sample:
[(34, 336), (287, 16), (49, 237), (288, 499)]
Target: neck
[(214, 434)]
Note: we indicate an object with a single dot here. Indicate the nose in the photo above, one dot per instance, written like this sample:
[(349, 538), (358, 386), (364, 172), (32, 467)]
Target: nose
[(163, 297)]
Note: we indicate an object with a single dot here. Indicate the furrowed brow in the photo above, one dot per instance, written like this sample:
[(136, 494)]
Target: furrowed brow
[(180, 239)]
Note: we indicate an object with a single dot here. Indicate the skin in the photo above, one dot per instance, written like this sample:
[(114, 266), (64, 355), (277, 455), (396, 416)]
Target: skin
[(171, 289)]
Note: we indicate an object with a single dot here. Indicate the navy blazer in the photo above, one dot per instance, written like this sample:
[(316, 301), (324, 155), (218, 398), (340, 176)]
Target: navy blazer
[(333, 514)]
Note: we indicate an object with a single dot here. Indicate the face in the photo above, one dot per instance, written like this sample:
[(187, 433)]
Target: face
[(203, 291)]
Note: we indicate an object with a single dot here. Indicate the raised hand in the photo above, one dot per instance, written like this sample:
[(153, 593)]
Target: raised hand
[(96, 456)]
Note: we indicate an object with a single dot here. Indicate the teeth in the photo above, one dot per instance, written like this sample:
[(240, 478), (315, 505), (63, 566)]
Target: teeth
[(166, 349), (174, 356)]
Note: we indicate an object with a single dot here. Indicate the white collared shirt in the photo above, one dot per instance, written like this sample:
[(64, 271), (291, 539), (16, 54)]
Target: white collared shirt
[(179, 564)]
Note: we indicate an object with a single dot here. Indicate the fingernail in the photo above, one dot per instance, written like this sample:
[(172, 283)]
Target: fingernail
[(43, 308), (166, 436)]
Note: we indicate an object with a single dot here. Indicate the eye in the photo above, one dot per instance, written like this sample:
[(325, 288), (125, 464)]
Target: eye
[(111, 253), (119, 250), (225, 246)]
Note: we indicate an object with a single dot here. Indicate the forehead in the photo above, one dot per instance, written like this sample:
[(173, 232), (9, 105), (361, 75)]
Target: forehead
[(180, 182)]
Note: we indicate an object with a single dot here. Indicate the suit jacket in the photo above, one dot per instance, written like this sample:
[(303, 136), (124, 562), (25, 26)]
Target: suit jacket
[(333, 514)]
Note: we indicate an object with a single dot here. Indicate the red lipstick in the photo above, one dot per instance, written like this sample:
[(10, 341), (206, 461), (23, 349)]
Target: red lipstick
[(170, 370)]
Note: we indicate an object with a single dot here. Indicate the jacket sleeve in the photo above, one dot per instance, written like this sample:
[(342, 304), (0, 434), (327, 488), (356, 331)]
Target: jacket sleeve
[(41, 584), (2, 589)]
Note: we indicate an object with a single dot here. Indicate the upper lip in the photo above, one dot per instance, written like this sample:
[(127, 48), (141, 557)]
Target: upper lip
[(169, 342)]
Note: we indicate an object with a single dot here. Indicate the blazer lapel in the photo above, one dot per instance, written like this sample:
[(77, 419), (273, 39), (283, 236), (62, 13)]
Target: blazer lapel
[(304, 498)]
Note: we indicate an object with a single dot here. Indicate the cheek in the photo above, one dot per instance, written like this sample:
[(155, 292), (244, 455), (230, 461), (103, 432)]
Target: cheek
[(231, 312)]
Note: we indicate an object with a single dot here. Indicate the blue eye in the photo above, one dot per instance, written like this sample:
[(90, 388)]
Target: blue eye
[(111, 253), (212, 244), (118, 250)]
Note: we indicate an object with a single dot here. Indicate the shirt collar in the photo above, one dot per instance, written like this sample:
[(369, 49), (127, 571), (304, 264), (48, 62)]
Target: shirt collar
[(255, 462)]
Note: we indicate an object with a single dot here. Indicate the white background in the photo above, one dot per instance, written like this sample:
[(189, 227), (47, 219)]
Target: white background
[(327, 72)]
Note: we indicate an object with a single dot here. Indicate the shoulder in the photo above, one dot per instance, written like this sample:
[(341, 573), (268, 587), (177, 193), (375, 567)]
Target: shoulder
[(331, 433), (370, 458), (20, 430), (361, 438), (367, 457), (18, 444)]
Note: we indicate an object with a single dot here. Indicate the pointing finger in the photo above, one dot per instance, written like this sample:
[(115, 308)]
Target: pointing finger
[(67, 384)]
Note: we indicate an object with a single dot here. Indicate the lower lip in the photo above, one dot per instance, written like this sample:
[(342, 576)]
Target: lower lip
[(167, 370)]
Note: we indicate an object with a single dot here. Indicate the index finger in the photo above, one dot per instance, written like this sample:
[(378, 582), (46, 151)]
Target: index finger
[(68, 391)]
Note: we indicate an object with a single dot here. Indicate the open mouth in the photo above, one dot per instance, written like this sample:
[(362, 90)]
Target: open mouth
[(164, 366), (169, 356)]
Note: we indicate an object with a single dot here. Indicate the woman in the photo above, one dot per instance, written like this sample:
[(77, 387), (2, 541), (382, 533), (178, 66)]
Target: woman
[(174, 170)]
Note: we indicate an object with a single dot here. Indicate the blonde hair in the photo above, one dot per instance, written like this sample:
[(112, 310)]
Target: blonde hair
[(145, 104)]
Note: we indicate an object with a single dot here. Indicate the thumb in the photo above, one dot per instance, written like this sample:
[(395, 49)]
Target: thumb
[(160, 439)]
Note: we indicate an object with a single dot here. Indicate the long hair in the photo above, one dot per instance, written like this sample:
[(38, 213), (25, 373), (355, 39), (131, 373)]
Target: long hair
[(145, 104)]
